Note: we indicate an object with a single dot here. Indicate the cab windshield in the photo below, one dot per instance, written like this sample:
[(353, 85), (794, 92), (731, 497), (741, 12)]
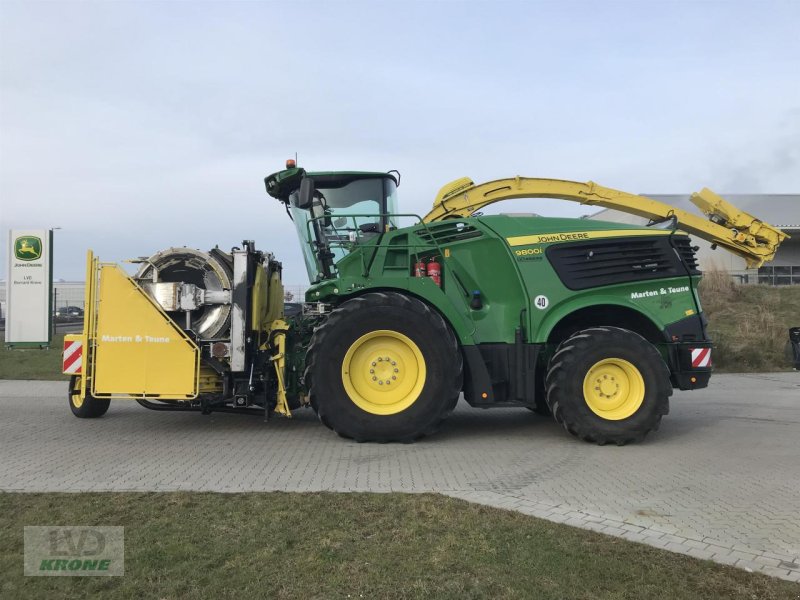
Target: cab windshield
[(345, 212)]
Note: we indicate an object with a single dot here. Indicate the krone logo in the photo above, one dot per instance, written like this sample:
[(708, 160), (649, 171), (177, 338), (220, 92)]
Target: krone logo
[(28, 248)]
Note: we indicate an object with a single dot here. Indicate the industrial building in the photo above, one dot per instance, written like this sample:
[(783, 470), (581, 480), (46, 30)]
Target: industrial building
[(780, 210)]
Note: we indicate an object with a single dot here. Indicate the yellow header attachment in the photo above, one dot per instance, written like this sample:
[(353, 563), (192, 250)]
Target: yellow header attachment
[(750, 230), (131, 348), (727, 226)]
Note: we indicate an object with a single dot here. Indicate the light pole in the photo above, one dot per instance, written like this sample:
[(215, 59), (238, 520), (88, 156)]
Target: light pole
[(54, 296)]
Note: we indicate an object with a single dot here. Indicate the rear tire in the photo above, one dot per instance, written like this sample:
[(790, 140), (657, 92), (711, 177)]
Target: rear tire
[(608, 385), (360, 394), (88, 407)]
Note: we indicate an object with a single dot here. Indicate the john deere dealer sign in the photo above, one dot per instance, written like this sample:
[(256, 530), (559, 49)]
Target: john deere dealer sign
[(28, 288)]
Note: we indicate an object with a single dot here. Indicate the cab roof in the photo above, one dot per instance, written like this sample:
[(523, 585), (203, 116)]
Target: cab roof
[(282, 183)]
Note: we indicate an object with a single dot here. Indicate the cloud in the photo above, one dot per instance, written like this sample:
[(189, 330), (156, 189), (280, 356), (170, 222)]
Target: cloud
[(137, 126)]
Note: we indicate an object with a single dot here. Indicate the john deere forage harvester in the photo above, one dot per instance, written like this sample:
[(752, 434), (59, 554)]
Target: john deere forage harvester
[(590, 321)]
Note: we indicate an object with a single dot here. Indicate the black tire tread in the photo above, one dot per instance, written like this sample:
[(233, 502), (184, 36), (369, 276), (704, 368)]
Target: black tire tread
[(347, 310), (91, 408), (562, 369)]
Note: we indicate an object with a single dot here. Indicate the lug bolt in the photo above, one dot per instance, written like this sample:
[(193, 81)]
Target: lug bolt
[(372, 370), (387, 359), (374, 379), (373, 364), (380, 359), (397, 370), (388, 382), (393, 363), (393, 377), (380, 383)]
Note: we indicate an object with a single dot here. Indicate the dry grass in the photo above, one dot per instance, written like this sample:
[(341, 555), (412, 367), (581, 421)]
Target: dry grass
[(749, 323), (719, 284)]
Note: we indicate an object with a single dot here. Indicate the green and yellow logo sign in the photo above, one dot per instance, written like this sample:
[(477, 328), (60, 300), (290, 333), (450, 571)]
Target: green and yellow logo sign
[(28, 248)]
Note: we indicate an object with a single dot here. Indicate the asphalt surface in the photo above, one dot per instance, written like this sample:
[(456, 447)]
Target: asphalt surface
[(719, 480)]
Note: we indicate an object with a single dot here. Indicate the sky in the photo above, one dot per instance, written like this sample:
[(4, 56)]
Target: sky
[(136, 126)]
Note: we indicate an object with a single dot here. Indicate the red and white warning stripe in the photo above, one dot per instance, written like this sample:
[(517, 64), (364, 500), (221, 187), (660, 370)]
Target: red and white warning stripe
[(701, 357), (73, 356)]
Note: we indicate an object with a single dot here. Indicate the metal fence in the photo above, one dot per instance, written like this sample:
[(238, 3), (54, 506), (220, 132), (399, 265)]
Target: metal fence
[(294, 293), (65, 293), (767, 276), (779, 275)]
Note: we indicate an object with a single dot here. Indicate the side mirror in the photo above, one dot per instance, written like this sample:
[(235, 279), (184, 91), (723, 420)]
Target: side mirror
[(306, 195)]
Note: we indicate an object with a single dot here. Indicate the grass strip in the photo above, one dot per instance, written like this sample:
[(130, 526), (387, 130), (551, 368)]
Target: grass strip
[(326, 545), (33, 363)]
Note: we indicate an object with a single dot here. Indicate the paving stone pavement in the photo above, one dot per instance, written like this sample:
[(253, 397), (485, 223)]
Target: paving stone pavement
[(720, 480)]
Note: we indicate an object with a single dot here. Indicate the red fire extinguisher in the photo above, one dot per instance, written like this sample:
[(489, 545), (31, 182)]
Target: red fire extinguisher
[(435, 272), (419, 269)]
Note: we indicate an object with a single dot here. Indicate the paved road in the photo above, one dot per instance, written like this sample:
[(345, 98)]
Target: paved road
[(720, 480)]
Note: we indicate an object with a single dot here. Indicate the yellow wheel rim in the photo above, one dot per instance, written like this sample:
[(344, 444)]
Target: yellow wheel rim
[(75, 393), (383, 372), (613, 389)]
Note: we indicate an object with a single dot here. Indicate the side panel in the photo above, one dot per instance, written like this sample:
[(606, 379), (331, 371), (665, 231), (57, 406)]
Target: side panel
[(662, 300), (484, 266), (138, 350)]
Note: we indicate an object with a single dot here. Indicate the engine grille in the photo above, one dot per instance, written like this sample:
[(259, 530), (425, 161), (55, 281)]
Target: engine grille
[(607, 262), (683, 244)]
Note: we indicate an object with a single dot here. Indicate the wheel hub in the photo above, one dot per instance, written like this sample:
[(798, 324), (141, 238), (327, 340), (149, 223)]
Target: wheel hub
[(383, 372), (607, 386), (386, 369), (613, 389)]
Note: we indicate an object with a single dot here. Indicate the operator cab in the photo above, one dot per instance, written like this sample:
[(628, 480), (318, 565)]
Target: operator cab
[(334, 211)]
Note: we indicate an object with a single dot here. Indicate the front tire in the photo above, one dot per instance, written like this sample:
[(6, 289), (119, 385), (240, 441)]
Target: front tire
[(88, 407), (384, 367), (608, 385)]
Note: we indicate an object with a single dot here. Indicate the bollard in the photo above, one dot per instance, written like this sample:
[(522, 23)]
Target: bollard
[(794, 342)]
